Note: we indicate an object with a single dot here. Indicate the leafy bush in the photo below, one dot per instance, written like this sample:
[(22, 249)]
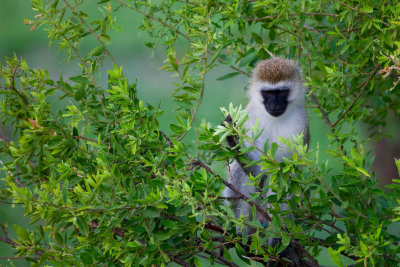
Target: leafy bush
[(106, 185)]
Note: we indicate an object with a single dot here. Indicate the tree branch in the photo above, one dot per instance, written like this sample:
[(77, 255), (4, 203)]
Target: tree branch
[(14, 244), (3, 137), (171, 144), (155, 19), (294, 15), (91, 31), (315, 100), (177, 260), (12, 86), (8, 241), (362, 13), (363, 87), (196, 162), (202, 79)]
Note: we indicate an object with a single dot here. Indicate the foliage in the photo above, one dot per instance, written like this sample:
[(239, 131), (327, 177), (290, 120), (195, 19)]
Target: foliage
[(108, 186)]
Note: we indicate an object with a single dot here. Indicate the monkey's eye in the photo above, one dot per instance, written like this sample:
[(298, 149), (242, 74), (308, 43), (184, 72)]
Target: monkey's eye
[(281, 93), (267, 94), (284, 93)]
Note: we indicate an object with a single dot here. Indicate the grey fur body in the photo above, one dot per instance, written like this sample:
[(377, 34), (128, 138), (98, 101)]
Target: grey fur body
[(292, 122)]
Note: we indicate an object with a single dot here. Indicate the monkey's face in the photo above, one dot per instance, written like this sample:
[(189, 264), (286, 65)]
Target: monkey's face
[(276, 101)]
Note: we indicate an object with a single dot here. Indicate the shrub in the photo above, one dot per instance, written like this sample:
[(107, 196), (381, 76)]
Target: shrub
[(106, 185)]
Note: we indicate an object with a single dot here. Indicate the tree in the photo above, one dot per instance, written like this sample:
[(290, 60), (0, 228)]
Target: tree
[(108, 186)]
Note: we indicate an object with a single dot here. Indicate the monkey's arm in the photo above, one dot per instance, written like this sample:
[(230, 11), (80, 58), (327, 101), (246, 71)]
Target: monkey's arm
[(231, 139), (233, 143)]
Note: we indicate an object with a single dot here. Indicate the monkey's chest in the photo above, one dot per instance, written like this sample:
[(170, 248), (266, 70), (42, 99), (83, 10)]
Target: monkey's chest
[(274, 130)]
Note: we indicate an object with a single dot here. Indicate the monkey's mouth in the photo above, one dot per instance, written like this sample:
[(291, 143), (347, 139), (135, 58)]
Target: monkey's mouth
[(275, 113), (275, 110)]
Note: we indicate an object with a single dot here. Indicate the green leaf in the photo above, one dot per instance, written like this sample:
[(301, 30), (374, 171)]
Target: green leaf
[(105, 38), (80, 79), (367, 9), (197, 262), (227, 76), (216, 55), (257, 38), (86, 258), (134, 244), (335, 256), (285, 239), (151, 212), (227, 255), (82, 225), (169, 223), (247, 59), (21, 232), (97, 51), (364, 248), (176, 128), (363, 171), (241, 253)]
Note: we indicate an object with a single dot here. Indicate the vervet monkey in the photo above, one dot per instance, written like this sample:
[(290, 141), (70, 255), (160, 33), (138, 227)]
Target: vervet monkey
[(276, 98)]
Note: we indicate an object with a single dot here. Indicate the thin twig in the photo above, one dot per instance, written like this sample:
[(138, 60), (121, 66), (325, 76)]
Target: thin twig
[(315, 100), (171, 144), (92, 32), (202, 79), (311, 28), (365, 14), (302, 249), (4, 231), (258, 208), (12, 87), (155, 19), (362, 87), (179, 33), (3, 137), (8, 241), (79, 56), (295, 14), (196, 162), (239, 70), (229, 198), (321, 242), (176, 260), (330, 224), (12, 175), (220, 60), (213, 227)]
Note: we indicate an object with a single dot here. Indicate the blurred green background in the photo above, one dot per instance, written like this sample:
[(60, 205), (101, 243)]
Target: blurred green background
[(138, 62)]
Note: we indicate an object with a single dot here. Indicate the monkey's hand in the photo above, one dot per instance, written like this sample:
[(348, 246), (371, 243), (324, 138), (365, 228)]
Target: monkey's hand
[(231, 139)]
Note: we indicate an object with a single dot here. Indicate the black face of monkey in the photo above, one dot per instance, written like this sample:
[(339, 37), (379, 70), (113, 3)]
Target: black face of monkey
[(275, 101)]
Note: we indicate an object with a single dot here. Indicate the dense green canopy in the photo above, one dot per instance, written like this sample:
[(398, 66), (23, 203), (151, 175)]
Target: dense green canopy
[(106, 185)]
